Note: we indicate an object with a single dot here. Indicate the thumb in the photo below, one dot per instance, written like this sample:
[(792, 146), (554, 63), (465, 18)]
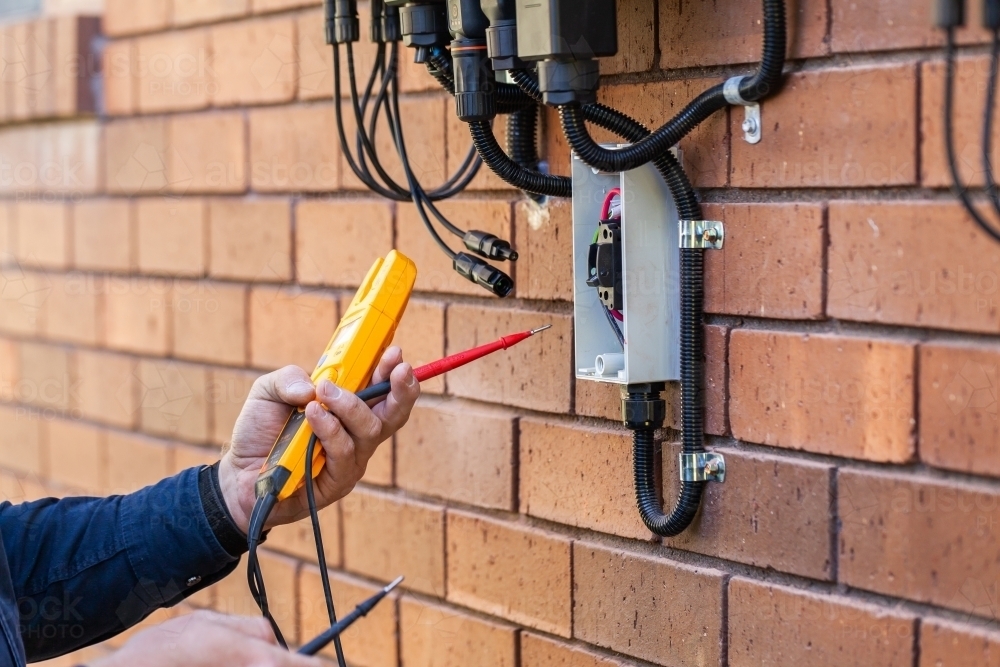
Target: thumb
[(254, 628)]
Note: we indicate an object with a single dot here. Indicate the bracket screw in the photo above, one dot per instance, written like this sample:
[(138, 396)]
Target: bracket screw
[(750, 126), (710, 236)]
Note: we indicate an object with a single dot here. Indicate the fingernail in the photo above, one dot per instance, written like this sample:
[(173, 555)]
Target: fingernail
[(300, 387), (330, 389), (411, 379)]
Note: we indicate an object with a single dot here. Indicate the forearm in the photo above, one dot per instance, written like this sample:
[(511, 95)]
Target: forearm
[(86, 569)]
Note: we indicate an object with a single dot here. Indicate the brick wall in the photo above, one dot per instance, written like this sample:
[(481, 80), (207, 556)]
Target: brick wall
[(201, 228)]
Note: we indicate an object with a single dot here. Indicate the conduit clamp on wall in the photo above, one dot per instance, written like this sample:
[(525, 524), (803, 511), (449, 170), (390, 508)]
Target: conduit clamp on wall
[(702, 234), (751, 110), (702, 467)]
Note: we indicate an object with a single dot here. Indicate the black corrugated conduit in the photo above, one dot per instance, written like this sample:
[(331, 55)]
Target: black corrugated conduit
[(751, 89), (522, 141), (511, 172)]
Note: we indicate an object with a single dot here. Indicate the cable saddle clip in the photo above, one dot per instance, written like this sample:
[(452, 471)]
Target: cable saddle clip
[(751, 110), (702, 234)]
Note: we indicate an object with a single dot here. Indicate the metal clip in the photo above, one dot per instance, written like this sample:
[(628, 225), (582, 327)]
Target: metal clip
[(751, 110), (703, 234), (702, 467)]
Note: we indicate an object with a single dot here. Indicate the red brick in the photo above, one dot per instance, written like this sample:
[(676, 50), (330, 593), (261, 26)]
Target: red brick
[(135, 156), (715, 386), (210, 321), (282, 577), (254, 62), (458, 451), (251, 239), (544, 240), (534, 375), (24, 297), (769, 624), (594, 491), (118, 68), (958, 408), (529, 575), (208, 153), (275, 314), (10, 365), (381, 466), (919, 538), (538, 651), (967, 128), (421, 337), (829, 394), (696, 35), (639, 619), (71, 312), (884, 266), (74, 67), (436, 272), (890, 24), (425, 147), (636, 39), (704, 152), (823, 131), (135, 461), (46, 379), (228, 391), (102, 235), (443, 637), (122, 17), (173, 399), (77, 457), (294, 149), (106, 391), (185, 12), (773, 512), (948, 644), (297, 539), (342, 258), (136, 314), (21, 447), (771, 264), (42, 234), (260, 6), (173, 71), (171, 236), (69, 158), (371, 643), (599, 399), (386, 536), (190, 456)]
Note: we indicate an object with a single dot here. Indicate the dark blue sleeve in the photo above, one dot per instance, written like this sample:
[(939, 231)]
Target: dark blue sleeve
[(85, 569)]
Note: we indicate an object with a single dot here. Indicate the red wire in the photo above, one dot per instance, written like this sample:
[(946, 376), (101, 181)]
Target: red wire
[(608, 199)]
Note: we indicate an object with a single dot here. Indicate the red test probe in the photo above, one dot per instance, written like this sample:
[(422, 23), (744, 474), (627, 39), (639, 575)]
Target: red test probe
[(442, 366)]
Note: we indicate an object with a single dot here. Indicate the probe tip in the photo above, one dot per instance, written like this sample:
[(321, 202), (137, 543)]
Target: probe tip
[(390, 587), (541, 329)]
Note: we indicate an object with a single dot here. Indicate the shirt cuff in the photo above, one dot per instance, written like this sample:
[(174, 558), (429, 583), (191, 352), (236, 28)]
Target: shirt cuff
[(229, 535)]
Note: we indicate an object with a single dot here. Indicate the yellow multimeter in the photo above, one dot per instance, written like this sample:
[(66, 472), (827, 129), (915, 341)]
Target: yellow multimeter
[(350, 359)]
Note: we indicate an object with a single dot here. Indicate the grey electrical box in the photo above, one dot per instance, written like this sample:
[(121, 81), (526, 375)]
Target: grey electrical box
[(649, 279)]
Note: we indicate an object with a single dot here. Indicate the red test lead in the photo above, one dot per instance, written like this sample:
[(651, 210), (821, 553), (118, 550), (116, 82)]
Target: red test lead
[(442, 366)]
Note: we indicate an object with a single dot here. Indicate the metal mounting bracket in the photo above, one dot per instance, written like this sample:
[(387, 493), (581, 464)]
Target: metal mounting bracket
[(702, 234), (702, 467), (752, 125)]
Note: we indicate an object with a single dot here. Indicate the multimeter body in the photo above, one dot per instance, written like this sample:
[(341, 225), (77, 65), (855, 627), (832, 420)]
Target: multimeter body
[(350, 360)]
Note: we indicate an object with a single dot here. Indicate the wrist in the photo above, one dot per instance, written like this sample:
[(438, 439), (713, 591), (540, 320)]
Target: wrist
[(231, 497)]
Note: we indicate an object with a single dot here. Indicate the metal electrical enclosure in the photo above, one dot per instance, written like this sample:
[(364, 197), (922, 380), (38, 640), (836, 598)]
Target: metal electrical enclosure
[(651, 278)]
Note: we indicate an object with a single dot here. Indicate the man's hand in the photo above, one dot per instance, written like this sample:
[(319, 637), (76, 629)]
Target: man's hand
[(206, 639), (350, 432)]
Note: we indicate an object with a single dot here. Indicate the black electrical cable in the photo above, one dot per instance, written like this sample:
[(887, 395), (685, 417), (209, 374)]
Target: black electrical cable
[(766, 80), (988, 117), (511, 172), (255, 577), (522, 141), (614, 326), (949, 103), (320, 550)]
